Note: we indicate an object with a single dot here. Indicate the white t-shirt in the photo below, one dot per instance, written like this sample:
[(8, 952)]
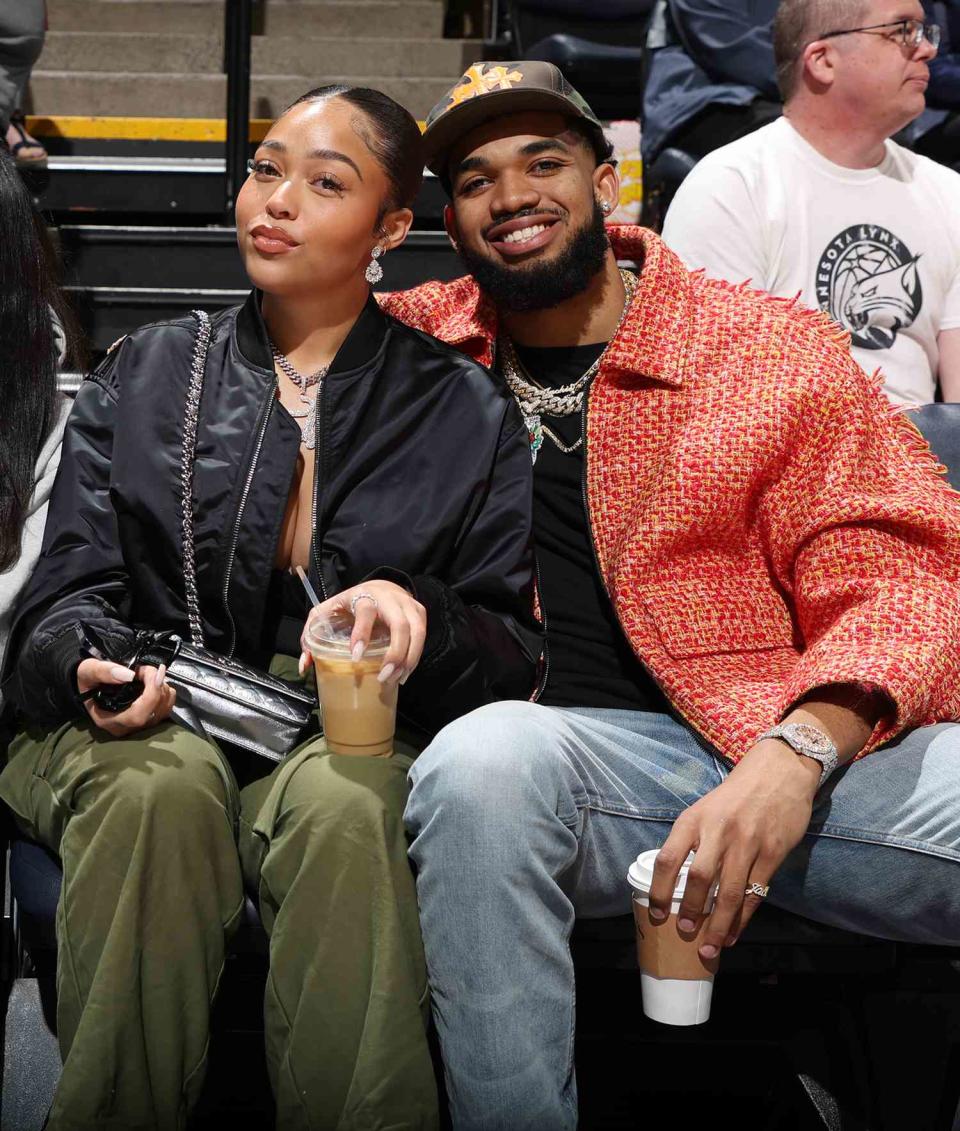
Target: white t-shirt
[(878, 249)]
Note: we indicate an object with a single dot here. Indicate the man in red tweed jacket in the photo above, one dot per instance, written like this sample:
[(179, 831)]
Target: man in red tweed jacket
[(736, 536)]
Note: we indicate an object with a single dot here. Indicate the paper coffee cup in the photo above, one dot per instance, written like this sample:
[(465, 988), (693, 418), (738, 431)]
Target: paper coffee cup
[(359, 712), (676, 983)]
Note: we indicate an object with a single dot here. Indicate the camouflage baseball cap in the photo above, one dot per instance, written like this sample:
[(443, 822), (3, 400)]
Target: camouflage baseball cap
[(489, 90)]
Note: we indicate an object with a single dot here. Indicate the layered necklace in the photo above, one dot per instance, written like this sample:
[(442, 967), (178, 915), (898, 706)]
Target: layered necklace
[(308, 429), (536, 401)]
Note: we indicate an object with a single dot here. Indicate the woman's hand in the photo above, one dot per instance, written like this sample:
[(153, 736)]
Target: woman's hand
[(151, 707), (402, 614)]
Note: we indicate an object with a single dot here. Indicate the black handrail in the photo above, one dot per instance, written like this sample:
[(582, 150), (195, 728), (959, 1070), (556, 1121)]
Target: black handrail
[(237, 31)]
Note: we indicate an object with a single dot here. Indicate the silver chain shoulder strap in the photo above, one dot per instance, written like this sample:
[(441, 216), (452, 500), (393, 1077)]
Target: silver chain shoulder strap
[(188, 454)]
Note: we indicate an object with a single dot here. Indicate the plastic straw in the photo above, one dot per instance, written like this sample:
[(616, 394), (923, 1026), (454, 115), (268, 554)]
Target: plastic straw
[(314, 599)]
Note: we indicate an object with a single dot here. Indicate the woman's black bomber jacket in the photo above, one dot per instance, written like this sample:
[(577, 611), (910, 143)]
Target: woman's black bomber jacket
[(423, 477)]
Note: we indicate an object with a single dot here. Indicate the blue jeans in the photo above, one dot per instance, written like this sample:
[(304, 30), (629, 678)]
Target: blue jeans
[(524, 817)]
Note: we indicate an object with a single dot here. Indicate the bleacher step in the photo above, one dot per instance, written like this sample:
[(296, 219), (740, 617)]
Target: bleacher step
[(330, 18), (204, 96), (89, 51)]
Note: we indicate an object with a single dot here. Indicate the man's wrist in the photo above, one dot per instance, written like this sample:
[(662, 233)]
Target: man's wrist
[(789, 766), (810, 741)]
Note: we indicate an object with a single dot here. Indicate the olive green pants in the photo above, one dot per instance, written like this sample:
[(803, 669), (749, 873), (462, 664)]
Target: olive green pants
[(147, 828)]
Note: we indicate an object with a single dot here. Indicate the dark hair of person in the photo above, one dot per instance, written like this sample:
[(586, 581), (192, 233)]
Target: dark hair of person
[(388, 131), (28, 373), (596, 140), (799, 23)]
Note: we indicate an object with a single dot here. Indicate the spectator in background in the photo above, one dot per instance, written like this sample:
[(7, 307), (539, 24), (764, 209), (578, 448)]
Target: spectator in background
[(712, 74), (822, 205), (34, 413), (936, 133), (22, 28)]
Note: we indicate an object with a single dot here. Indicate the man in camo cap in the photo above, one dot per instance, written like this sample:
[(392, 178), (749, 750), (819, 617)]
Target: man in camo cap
[(750, 583)]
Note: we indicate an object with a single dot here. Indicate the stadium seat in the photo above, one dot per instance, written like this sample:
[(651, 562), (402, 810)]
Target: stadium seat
[(660, 183), (598, 46), (940, 424)]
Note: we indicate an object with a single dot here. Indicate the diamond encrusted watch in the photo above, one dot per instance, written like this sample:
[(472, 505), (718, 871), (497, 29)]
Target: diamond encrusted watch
[(809, 741)]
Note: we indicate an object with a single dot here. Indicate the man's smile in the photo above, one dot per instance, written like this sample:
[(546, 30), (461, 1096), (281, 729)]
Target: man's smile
[(523, 234)]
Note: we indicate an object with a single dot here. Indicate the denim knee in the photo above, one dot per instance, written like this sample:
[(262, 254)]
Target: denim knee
[(490, 765)]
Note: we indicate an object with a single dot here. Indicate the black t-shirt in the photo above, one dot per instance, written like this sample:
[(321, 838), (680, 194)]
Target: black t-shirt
[(590, 661)]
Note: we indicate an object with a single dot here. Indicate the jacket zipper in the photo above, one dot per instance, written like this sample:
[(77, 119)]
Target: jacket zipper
[(316, 540), (236, 526), (545, 669)]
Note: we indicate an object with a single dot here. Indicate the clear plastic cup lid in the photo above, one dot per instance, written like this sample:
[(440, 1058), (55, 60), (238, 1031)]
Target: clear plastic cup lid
[(333, 635)]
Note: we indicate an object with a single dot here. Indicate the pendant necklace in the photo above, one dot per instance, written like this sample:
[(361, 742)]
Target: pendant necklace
[(535, 401), (308, 429)]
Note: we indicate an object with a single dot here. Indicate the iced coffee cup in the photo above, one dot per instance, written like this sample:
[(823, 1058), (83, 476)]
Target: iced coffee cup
[(359, 712), (676, 983)]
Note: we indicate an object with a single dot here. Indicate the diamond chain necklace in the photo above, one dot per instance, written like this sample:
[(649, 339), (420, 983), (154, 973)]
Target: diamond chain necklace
[(535, 401), (308, 429)]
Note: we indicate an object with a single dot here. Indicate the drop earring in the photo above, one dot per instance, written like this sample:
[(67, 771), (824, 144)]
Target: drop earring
[(374, 272)]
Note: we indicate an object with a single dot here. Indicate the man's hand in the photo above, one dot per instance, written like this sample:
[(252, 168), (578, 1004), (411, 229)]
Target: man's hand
[(151, 707), (741, 832), (402, 614)]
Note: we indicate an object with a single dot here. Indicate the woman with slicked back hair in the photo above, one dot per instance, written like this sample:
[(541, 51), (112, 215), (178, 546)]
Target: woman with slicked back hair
[(396, 474)]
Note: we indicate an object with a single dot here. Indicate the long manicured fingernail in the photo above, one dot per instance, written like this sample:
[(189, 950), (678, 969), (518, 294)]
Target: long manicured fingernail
[(708, 951), (357, 652), (125, 675), (386, 672), (404, 678), (731, 940), (657, 914), (687, 925), (161, 677), (302, 664)]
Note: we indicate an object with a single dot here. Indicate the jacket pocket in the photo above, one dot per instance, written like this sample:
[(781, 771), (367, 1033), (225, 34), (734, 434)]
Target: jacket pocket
[(710, 615)]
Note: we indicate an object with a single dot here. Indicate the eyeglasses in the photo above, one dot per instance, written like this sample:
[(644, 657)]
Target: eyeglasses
[(912, 32)]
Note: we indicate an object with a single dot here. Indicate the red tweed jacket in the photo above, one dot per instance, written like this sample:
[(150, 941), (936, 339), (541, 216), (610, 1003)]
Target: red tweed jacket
[(764, 523)]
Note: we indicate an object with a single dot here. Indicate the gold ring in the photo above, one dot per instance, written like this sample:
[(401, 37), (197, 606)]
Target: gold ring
[(761, 891)]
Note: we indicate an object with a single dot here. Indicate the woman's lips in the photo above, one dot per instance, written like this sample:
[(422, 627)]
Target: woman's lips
[(521, 241), (271, 241)]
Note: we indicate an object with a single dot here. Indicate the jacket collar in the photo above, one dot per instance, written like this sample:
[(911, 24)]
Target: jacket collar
[(654, 337), (361, 345)]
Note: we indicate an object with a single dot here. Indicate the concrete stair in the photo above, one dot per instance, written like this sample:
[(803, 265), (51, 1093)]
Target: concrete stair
[(141, 58)]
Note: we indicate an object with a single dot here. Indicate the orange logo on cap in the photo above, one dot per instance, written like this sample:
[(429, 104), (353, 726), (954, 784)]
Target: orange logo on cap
[(476, 81)]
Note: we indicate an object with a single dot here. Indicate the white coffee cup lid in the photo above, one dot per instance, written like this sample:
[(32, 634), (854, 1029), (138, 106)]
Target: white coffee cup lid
[(640, 874)]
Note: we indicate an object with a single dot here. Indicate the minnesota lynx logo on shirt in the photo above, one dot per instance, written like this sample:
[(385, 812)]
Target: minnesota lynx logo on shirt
[(877, 250), (868, 281)]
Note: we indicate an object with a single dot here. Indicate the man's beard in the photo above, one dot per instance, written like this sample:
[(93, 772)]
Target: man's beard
[(541, 285)]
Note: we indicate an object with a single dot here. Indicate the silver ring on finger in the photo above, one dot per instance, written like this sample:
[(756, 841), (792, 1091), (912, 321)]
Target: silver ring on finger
[(362, 597), (761, 891)]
